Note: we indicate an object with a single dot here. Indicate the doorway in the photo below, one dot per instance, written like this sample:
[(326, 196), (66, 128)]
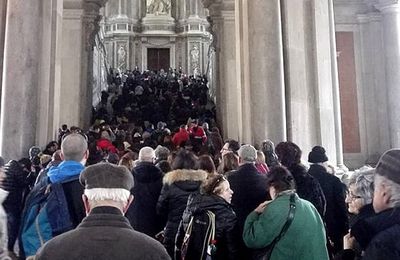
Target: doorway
[(158, 58)]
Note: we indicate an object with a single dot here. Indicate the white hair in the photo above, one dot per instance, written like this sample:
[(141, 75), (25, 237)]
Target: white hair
[(393, 188), (98, 194), (147, 154)]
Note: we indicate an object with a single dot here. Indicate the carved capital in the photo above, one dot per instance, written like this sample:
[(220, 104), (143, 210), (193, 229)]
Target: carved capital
[(91, 27)]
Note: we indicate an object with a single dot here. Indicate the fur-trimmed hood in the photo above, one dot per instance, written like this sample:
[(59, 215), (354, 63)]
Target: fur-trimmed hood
[(184, 175)]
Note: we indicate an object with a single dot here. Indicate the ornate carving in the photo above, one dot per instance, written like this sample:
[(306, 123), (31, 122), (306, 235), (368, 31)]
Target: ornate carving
[(195, 57), (121, 57), (91, 25), (159, 7)]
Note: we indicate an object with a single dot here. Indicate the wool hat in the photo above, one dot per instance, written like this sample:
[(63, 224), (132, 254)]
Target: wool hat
[(106, 176), (248, 153), (317, 155), (389, 165)]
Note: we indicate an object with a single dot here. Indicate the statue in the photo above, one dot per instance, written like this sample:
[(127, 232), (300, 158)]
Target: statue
[(121, 57), (158, 7), (195, 55)]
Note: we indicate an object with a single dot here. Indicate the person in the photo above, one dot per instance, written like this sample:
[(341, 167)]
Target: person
[(334, 191), (307, 187), (148, 178), (261, 166), (104, 233), (359, 201), (3, 216), (229, 163), (305, 237), (230, 145), (178, 184), (15, 183), (382, 231), (216, 196), (249, 189), (268, 148), (206, 163), (179, 139), (74, 152)]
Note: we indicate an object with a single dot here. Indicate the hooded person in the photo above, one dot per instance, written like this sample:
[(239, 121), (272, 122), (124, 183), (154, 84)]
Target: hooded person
[(334, 190), (105, 233)]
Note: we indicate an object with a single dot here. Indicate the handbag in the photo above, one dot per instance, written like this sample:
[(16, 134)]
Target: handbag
[(266, 252)]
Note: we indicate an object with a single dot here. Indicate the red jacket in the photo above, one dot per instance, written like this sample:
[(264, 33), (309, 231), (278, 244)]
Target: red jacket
[(106, 145), (198, 133), (181, 136)]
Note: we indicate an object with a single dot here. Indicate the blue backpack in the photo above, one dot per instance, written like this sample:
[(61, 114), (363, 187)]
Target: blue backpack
[(45, 215)]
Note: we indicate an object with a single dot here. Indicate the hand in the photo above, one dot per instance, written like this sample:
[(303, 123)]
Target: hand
[(348, 241), (262, 206)]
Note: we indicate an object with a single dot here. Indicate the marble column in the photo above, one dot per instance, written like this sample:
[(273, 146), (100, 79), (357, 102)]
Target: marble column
[(3, 12), (223, 14), (263, 50), (390, 10), (20, 78), (79, 28)]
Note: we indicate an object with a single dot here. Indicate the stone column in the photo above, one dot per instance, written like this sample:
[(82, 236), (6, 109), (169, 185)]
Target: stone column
[(391, 33), (80, 25), (3, 12), (20, 78), (335, 89), (223, 15), (261, 70)]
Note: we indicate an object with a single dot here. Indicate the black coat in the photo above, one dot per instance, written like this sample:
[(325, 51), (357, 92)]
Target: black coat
[(142, 213), (336, 218), (249, 190), (380, 235), (104, 234), (177, 186), (15, 182), (225, 224), (308, 188)]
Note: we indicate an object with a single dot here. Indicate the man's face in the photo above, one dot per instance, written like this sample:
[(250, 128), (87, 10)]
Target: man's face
[(381, 197)]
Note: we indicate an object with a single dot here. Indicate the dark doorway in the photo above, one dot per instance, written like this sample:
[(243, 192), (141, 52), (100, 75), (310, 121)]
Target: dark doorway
[(158, 59)]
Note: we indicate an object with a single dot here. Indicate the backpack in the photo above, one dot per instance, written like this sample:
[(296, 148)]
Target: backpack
[(198, 241), (45, 215)]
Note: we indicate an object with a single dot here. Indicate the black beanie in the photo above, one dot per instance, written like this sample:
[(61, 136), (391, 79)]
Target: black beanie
[(317, 155)]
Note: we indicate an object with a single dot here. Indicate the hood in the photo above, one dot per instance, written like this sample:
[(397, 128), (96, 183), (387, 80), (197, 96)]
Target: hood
[(64, 171), (208, 202), (146, 172), (184, 175)]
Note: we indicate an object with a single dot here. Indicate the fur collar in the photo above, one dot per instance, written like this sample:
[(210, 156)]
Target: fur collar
[(184, 175)]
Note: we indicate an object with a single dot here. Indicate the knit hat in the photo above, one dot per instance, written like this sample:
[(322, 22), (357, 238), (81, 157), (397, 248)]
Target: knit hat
[(389, 165), (248, 153), (317, 155), (106, 176)]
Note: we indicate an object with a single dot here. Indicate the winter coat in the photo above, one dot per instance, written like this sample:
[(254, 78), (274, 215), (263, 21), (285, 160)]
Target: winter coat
[(379, 235), (104, 234), (177, 186), (106, 145), (3, 224), (142, 214), (304, 239), (181, 137), (15, 182), (226, 235), (249, 190), (336, 218), (308, 188)]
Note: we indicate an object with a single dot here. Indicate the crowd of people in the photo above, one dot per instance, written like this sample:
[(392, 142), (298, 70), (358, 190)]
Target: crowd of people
[(125, 189)]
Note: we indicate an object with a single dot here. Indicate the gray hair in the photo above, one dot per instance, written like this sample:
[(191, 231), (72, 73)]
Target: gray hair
[(393, 189), (147, 154), (363, 182), (74, 147), (247, 153)]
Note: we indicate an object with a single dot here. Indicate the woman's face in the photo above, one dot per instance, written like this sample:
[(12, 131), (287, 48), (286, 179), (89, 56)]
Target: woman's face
[(226, 192), (354, 200)]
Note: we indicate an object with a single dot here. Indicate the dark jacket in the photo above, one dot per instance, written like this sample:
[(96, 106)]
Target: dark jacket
[(379, 235), (249, 190), (336, 218), (142, 214), (308, 188), (177, 186), (225, 221), (104, 234), (15, 182)]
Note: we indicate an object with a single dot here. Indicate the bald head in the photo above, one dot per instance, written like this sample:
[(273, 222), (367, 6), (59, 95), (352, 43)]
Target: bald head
[(74, 147)]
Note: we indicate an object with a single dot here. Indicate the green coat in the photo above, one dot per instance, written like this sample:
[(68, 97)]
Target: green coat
[(305, 238)]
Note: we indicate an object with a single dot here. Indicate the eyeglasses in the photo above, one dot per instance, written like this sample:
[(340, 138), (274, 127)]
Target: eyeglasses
[(352, 196)]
